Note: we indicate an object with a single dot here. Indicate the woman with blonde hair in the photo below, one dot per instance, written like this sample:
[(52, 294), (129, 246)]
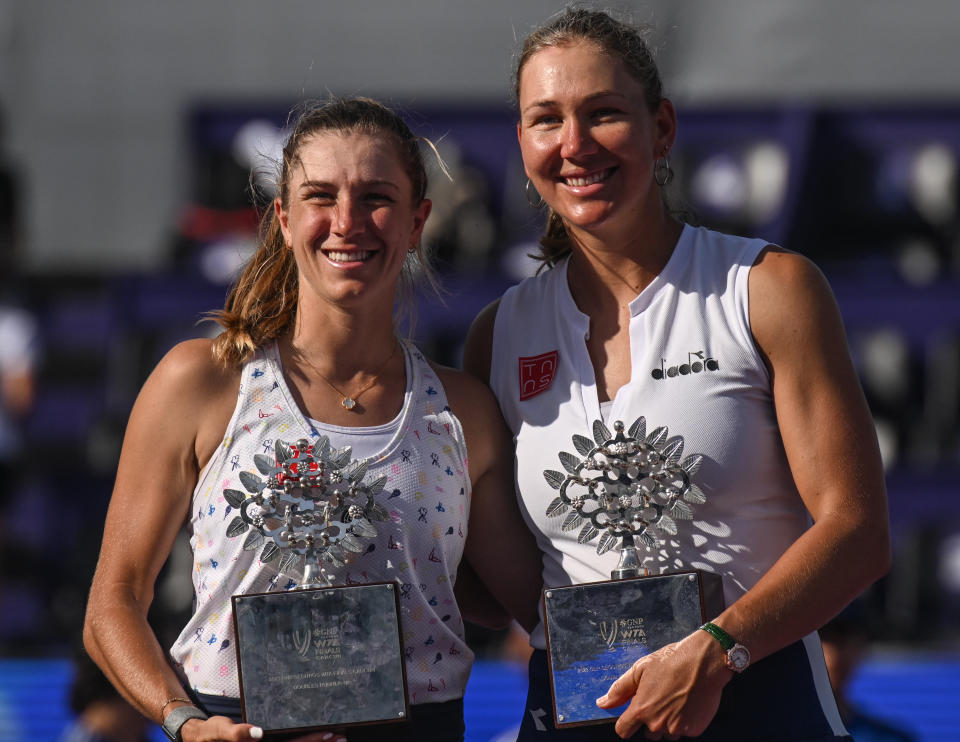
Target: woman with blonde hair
[(309, 351), (732, 344)]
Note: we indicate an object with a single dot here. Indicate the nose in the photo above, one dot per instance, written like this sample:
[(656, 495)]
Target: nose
[(347, 217), (577, 139)]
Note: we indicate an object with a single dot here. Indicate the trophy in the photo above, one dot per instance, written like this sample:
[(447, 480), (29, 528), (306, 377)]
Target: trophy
[(630, 490), (316, 656)]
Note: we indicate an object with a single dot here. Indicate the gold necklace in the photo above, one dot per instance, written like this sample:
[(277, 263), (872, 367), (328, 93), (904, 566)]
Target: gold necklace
[(350, 402)]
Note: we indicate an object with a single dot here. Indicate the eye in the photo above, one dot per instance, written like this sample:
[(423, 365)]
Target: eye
[(607, 112), (378, 197), (544, 121), (321, 196)]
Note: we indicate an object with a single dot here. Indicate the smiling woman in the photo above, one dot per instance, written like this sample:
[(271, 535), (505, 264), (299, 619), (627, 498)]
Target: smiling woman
[(733, 345), (589, 139), (350, 218), (309, 353)]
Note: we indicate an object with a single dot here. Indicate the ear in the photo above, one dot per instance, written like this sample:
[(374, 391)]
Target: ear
[(520, 142), (665, 127), (282, 217), (420, 215)]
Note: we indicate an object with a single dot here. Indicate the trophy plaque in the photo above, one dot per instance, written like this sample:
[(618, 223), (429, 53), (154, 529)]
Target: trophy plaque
[(628, 489), (316, 656)]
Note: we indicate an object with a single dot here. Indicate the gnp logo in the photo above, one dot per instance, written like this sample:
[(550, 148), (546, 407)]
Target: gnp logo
[(623, 631), (696, 362), (536, 373)]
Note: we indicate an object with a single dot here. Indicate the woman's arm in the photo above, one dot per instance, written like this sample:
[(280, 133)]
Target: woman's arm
[(178, 420), (832, 451), (478, 350), (500, 548)]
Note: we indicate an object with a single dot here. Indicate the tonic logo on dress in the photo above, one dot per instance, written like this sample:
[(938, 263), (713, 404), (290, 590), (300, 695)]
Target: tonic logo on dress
[(536, 373), (697, 362)]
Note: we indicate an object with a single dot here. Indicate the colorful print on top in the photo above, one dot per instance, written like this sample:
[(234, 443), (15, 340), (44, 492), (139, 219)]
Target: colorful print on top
[(427, 496)]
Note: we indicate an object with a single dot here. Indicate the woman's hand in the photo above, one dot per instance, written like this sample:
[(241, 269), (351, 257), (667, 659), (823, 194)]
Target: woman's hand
[(673, 692), (218, 729), (222, 729)]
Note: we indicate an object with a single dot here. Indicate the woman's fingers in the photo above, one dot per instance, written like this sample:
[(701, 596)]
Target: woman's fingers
[(623, 688), (219, 729)]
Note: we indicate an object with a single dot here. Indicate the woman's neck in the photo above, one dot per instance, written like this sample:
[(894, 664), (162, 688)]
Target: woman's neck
[(612, 270), (341, 343)]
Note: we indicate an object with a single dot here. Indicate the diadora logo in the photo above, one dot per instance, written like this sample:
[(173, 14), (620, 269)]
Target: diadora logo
[(536, 373), (697, 361)]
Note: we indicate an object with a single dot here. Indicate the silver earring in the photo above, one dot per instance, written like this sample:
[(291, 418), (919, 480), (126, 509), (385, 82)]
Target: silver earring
[(533, 204), (662, 172)]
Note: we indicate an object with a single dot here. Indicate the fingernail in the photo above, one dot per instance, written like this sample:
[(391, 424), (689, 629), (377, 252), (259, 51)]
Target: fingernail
[(601, 700), (328, 735), (256, 732)]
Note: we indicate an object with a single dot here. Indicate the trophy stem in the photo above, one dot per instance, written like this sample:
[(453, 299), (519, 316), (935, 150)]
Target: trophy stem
[(629, 565), (313, 576)]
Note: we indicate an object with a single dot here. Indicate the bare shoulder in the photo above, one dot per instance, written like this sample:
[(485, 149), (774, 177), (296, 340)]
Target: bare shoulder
[(789, 299), (466, 393), (191, 363), (475, 406), (781, 277), (477, 353), (191, 394)]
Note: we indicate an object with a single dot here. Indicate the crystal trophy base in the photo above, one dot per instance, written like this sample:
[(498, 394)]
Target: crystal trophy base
[(321, 657), (596, 631)]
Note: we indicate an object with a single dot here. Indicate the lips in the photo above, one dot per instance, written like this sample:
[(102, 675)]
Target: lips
[(581, 181), (353, 256)]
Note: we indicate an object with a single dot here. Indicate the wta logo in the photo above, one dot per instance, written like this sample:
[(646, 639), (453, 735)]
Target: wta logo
[(697, 362), (623, 632), (536, 373)]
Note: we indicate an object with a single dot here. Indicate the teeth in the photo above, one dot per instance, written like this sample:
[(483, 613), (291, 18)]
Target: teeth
[(587, 180), (348, 257)]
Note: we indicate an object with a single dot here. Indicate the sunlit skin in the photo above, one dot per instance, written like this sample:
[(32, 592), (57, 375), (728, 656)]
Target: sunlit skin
[(589, 141), (350, 221), (589, 144), (350, 217)]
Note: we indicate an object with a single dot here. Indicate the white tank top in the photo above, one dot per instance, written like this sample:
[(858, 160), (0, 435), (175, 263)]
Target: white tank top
[(695, 370), (428, 497)]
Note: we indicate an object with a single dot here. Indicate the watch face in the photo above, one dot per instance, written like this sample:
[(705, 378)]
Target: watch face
[(738, 657)]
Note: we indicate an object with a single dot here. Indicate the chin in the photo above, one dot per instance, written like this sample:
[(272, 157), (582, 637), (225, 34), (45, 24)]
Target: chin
[(589, 220)]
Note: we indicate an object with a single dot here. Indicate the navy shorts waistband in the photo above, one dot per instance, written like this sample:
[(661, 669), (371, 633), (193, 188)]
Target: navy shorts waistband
[(774, 700), (429, 722)]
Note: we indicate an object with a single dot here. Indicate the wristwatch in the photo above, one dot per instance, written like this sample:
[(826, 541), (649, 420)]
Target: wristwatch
[(175, 720), (738, 656)]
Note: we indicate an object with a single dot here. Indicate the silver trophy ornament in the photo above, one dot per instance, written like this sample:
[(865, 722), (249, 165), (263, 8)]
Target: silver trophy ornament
[(311, 506), (631, 490), (628, 489), (317, 656)]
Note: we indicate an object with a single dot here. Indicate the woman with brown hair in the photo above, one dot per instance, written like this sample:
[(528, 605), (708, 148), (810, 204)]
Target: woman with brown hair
[(309, 351), (733, 345)]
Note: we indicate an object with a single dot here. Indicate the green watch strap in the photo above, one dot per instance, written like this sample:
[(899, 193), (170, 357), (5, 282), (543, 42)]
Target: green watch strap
[(726, 641)]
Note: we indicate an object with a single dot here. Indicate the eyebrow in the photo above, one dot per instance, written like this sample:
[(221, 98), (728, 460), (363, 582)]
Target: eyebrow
[(307, 184), (599, 94)]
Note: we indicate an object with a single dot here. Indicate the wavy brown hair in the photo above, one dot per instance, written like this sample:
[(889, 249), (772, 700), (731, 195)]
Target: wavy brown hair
[(262, 304), (615, 38)]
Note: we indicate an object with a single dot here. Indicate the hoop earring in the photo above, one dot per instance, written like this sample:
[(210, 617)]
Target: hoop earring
[(662, 172), (526, 191)]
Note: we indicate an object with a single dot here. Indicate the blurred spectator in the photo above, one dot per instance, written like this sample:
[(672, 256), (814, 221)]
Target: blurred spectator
[(19, 343), (102, 714), (845, 645)]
